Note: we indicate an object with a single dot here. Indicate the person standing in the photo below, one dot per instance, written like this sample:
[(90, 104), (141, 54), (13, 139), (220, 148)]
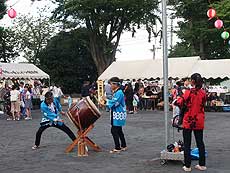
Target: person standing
[(186, 85), (108, 93), (22, 105), (193, 121), (129, 97), (85, 89), (135, 102), (7, 104), (55, 92), (118, 115), (52, 112), (60, 94), (15, 103), (28, 102), (141, 93)]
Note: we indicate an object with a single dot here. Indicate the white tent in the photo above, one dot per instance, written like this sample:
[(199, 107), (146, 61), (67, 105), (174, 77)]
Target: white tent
[(178, 67), (21, 71), (213, 68)]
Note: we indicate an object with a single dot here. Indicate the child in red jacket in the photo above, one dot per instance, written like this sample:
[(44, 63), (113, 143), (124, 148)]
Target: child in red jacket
[(193, 120)]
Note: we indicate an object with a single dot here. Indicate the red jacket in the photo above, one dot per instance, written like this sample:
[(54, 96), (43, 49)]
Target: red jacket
[(194, 116)]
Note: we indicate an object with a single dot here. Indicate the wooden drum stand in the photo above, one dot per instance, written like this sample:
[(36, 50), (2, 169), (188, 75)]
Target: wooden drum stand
[(83, 141)]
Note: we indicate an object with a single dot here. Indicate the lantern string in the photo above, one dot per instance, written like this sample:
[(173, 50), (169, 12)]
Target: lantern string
[(217, 19)]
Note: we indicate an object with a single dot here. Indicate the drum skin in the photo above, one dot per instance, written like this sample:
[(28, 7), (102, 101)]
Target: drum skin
[(83, 114)]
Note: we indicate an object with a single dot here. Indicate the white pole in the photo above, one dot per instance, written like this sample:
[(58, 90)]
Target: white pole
[(165, 70)]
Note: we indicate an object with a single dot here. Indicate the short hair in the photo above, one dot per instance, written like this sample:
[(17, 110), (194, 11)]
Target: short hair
[(178, 83), (48, 95), (14, 87), (115, 80)]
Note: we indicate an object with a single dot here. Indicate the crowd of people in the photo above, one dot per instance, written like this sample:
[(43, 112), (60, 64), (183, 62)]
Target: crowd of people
[(139, 95), (18, 101), (18, 98)]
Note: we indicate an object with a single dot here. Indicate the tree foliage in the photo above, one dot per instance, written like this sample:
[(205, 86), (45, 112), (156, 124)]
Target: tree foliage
[(105, 21), (182, 49), (67, 60), (8, 51), (198, 32), (2, 8), (32, 34)]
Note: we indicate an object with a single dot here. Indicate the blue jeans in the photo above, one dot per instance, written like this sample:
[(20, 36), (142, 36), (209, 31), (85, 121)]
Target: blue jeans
[(23, 111)]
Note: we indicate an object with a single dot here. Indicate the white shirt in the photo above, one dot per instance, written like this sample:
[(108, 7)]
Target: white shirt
[(28, 95), (52, 107), (60, 93), (55, 91), (21, 89), (14, 95)]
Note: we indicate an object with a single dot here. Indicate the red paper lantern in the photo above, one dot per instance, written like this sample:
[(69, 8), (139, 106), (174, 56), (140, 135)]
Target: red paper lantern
[(12, 13), (211, 13), (219, 24)]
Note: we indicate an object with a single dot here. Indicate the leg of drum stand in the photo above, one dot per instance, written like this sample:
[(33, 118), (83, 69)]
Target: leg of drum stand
[(75, 142), (82, 148), (92, 144), (82, 137)]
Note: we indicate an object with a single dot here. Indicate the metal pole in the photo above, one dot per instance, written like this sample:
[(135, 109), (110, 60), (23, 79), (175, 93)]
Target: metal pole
[(154, 52), (165, 70)]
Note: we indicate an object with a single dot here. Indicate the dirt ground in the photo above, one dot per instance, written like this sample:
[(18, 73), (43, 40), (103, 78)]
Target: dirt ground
[(145, 138)]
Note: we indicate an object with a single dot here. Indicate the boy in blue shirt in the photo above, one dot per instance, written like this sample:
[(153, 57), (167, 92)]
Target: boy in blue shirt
[(118, 115), (52, 111)]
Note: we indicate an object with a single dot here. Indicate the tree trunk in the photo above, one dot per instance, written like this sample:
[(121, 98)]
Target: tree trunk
[(101, 59)]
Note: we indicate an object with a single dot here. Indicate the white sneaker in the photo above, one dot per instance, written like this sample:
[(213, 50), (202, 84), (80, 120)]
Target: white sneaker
[(35, 147), (201, 168), (187, 169)]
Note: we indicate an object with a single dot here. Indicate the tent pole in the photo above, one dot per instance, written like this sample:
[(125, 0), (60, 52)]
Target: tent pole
[(165, 70)]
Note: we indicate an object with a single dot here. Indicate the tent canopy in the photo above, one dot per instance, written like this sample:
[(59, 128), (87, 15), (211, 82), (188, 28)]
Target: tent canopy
[(21, 71), (213, 68), (178, 68)]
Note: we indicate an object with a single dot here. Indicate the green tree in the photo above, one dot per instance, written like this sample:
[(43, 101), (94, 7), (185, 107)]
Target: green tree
[(8, 51), (105, 21), (198, 32), (182, 49), (33, 33), (67, 60), (2, 8)]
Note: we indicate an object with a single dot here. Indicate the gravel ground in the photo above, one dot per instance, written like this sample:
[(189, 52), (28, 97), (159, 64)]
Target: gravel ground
[(145, 138)]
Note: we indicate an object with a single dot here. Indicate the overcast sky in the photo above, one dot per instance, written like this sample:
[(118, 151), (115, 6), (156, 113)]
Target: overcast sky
[(136, 48)]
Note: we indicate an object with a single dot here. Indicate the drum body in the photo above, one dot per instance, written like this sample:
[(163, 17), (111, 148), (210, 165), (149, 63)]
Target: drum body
[(84, 113)]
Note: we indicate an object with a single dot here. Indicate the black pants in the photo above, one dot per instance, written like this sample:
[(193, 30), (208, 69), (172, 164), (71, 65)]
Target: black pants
[(143, 104), (187, 135), (118, 135), (129, 104), (63, 127)]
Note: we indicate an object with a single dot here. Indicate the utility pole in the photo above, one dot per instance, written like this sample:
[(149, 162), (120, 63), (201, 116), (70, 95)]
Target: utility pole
[(165, 70), (171, 32), (154, 52)]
